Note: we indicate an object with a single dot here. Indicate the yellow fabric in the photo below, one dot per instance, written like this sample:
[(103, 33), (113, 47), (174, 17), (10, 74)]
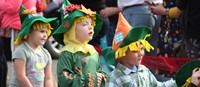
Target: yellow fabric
[(188, 81), (174, 12), (72, 45), (35, 26), (133, 47)]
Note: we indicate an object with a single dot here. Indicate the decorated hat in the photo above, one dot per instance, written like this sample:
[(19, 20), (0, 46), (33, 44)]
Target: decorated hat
[(183, 76), (127, 37), (68, 13), (28, 17)]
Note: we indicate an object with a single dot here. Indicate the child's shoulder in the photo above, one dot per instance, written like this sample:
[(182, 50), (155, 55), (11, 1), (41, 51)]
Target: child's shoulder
[(68, 54), (21, 47), (142, 67), (91, 47)]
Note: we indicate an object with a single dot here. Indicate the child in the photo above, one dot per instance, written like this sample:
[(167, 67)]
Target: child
[(78, 64), (128, 47), (32, 63), (189, 74)]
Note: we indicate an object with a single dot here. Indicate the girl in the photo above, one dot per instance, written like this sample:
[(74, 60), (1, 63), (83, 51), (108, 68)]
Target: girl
[(32, 63)]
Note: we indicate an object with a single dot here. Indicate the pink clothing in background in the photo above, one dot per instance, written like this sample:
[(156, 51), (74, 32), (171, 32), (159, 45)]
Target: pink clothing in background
[(10, 12), (1, 17)]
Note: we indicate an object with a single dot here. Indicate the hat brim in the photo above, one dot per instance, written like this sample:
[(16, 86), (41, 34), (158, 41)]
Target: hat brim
[(186, 71), (134, 35), (28, 22)]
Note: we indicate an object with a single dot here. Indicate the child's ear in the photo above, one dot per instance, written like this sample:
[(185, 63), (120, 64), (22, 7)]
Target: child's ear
[(28, 35)]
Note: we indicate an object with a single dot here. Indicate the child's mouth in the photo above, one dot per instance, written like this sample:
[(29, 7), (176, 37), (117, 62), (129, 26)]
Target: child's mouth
[(91, 33)]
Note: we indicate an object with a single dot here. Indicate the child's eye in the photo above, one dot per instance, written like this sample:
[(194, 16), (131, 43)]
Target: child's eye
[(43, 31)]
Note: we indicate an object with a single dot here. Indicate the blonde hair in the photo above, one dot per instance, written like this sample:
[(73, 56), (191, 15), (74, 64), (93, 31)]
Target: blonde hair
[(35, 26), (82, 18)]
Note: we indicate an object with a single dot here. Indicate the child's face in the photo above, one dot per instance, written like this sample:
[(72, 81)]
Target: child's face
[(133, 58), (38, 37), (84, 30)]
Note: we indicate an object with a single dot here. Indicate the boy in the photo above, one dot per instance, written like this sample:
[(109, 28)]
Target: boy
[(128, 46)]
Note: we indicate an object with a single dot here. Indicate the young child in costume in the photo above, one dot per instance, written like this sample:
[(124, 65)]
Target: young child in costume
[(31, 62), (78, 64), (129, 48)]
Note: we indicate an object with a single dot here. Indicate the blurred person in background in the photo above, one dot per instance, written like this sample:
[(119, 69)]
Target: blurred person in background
[(189, 13), (3, 62), (110, 12)]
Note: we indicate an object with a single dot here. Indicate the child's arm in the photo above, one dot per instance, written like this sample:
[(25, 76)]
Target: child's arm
[(20, 68), (67, 75), (48, 80), (155, 83)]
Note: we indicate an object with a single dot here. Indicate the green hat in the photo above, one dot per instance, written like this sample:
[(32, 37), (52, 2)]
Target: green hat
[(68, 13), (126, 37), (185, 72), (28, 17)]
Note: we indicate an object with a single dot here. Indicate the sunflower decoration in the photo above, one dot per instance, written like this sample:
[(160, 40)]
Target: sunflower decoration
[(27, 11), (87, 11)]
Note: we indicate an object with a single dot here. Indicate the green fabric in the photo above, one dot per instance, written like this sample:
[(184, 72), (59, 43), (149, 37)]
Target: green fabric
[(69, 61), (136, 34), (186, 71), (69, 19), (28, 19), (109, 56)]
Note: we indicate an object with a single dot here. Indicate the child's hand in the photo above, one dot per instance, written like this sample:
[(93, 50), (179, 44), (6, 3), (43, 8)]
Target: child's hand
[(196, 76), (99, 79)]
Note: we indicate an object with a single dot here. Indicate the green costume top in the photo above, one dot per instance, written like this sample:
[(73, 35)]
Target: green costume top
[(78, 69)]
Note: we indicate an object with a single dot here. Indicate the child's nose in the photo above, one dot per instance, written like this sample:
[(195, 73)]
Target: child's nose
[(90, 27)]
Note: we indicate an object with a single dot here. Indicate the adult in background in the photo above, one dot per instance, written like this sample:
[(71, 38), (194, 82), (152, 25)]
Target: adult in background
[(190, 21)]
